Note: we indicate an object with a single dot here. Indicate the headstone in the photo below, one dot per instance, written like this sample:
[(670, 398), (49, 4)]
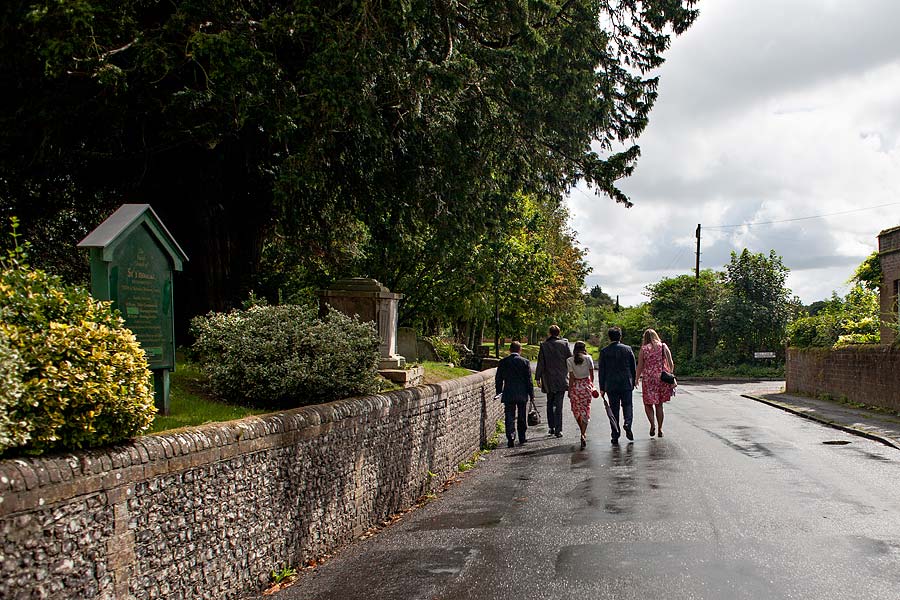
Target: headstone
[(371, 301), (426, 350), (133, 257), (406, 344)]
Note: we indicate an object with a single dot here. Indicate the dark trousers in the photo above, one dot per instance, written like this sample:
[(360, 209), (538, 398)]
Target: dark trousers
[(555, 410), (514, 423), (617, 398)]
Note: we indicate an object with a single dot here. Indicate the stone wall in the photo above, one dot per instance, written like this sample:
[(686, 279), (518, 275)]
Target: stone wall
[(867, 374), (209, 512)]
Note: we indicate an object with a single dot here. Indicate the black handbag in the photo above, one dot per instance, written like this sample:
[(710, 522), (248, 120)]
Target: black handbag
[(664, 375), (534, 418)]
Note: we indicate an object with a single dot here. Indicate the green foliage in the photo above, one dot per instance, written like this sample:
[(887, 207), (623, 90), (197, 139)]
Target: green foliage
[(597, 297), (755, 306), (675, 302), (529, 351), (86, 381), (633, 321), (494, 440), (336, 138), (283, 356), (283, 574), (851, 320), (717, 366), (13, 432), (445, 349), (869, 274)]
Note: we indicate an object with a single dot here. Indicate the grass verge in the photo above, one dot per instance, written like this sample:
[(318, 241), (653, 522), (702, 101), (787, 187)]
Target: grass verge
[(436, 372), (529, 351), (189, 405)]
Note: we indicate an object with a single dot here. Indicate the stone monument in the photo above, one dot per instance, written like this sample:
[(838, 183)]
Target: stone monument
[(371, 301), (133, 257)]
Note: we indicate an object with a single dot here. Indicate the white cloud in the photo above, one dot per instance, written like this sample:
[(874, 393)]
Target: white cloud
[(768, 111)]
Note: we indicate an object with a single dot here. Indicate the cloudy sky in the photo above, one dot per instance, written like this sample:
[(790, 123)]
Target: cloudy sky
[(768, 110)]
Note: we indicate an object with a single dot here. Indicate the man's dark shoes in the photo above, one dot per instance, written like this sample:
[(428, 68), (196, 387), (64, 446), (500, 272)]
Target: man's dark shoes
[(614, 441), (628, 433), (558, 434), (509, 444), (551, 432), (522, 441)]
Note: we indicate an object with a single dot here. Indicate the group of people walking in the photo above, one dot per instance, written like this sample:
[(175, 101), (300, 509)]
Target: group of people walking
[(562, 369)]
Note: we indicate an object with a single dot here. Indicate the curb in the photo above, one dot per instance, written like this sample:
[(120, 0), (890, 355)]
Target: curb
[(845, 428)]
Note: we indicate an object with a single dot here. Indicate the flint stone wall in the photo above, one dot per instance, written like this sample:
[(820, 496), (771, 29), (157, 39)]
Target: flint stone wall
[(209, 512), (868, 374)]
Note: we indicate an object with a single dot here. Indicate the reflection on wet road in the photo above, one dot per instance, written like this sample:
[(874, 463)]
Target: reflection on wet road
[(740, 500)]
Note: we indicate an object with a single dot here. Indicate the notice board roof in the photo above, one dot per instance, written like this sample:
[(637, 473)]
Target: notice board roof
[(117, 227)]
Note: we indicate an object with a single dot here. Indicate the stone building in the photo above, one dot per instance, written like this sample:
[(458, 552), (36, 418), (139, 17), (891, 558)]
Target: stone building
[(889, 252)]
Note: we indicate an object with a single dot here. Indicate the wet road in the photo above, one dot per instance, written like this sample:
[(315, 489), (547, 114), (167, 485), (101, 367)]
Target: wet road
[(739, 500)]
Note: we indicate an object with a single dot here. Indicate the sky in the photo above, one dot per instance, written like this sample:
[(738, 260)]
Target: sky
[(768, 110)]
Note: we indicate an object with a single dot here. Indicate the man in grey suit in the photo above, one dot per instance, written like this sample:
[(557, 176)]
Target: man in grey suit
[(513, 381), (552, 376)]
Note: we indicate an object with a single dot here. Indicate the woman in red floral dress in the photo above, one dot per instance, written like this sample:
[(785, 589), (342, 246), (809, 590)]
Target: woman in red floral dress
[(654, 356), (581, 386)]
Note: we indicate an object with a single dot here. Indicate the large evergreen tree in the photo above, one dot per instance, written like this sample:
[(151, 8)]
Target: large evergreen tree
[(318, 139)]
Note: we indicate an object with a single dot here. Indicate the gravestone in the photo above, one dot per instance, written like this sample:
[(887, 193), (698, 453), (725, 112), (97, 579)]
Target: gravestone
[(406, 344), (371, 301), (133, 257)]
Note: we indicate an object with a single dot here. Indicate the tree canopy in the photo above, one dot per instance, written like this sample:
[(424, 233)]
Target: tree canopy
[(286, 144)]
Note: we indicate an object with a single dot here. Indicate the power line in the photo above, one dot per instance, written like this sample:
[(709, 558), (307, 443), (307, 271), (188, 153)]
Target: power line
[(843, 212)]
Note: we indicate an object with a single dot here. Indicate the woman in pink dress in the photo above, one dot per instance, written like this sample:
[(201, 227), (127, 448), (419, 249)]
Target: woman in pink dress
[(654, 356), (581, 386)]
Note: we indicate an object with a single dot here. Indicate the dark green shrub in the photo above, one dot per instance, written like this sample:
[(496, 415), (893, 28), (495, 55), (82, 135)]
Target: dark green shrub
[(281, 356), (85, 380)]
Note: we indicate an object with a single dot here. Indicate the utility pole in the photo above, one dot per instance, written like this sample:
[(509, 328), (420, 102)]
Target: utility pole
[(697, 297)]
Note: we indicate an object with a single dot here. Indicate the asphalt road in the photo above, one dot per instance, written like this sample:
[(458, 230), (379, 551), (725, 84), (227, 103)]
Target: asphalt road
[(739, 500)]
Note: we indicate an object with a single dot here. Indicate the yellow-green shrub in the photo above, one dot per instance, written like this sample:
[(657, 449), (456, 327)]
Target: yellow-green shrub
[(85, 380), (12, 432)]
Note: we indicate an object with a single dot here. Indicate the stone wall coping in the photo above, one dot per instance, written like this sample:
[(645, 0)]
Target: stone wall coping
[(27, 483), (889, 231), (855, 348)]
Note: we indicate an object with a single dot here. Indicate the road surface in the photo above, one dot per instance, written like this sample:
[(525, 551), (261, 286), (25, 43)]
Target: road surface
[(739, 500)]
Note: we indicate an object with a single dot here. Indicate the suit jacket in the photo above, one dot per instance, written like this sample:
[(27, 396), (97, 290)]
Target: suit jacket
[(617, 368), (513, 379), (551, 364)]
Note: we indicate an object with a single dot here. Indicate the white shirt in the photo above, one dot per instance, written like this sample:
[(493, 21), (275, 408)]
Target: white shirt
[(584, 369)]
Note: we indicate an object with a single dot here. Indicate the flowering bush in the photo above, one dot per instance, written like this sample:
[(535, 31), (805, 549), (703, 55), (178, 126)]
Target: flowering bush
[(85, 380), (277, 356)]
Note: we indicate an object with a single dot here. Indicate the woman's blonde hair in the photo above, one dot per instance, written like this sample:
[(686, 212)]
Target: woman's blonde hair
[(651, 337)]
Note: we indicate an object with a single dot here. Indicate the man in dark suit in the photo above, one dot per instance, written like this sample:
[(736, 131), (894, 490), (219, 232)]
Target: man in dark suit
[(552, 376), (616, 379), (514, 385)]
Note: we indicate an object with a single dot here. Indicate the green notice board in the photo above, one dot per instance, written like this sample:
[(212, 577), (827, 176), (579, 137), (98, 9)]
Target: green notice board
[(141, 288), (133, 257)]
